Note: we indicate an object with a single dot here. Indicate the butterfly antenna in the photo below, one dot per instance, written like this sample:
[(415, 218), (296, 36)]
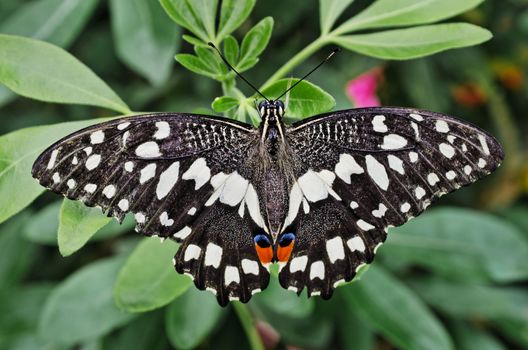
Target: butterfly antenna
[(334, 51), (237, 73)]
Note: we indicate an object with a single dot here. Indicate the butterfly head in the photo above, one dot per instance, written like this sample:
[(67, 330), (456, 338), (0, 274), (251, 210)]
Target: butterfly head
[(271, 111)]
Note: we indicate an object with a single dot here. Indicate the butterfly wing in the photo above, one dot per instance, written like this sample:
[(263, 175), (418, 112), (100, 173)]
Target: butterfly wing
[(176, 173), (363, 171)]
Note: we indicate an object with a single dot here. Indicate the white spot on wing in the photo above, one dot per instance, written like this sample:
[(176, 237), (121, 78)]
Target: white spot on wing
[(365, 226), (354, 205), (347, 166), (56, 178), (380, 212), (93, 161), (199, 172), (147, 173), (213, 255), (109, 191), (419, 192), (416, 117), (396, 164), (432, 178), (250, 267), (192, 252), (393, 141), (252, 202), (191, 211), (296, 197), (405, 207), (298, 263), (167, 180), (413, 157), (148, 149), (164, 219), (129, 166), (163, 130), (123, 204), (313, 188), (356, 244), (231, 275), (140, 218), (377, 172), (484, 143), (123, 126), (481, 163), (317, 270), (90, 188), (234, 189), (468, 169), (71, 183), (183, 233), (335, 250), (378, 123), (451, 175), (97, 137), (53, 159), (447, 150), (441, 126)]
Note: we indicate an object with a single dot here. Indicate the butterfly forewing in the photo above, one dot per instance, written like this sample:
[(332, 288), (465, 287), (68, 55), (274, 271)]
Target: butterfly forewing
[(181, 176), (364, 171)]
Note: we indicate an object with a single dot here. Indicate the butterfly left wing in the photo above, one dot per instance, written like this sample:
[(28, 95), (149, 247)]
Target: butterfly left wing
[(180, 175), (362, 171)]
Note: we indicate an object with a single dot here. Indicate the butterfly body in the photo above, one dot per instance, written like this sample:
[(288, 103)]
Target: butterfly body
[(317, 196)]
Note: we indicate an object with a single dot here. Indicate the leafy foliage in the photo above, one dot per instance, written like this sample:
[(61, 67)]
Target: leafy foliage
[(432, 280)]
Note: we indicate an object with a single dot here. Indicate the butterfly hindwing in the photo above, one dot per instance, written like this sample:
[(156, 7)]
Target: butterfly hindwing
[(366, 170)]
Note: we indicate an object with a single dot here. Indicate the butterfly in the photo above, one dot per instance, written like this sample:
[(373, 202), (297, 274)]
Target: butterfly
[(317, 196)]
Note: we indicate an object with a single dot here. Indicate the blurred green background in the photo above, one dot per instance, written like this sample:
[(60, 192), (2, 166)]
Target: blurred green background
[(455, 278)]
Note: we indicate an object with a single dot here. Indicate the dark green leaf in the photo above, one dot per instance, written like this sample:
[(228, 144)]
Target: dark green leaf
[(394, 310), (194, 64), (191, 318), (82, 308), (148, 280), (145, 332), (247, 64), (231, 50), (56, 21), (255, 42), (46, 72), (461, 243), (17, 253), (43, 226), (403, 44), (352, 330), (330, 10), (224, 103), (516, 331), (474, 301), (184, 13), (232, 14), (468, 337), (146, 38), (389, 13), (77, 224), (304, 101)]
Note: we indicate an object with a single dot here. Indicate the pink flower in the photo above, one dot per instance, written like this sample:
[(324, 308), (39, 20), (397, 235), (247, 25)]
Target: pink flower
[(362, 90)]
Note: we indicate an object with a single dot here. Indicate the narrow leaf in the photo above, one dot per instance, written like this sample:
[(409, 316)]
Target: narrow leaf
[(145, 37), (18, 151), (224, 103), (193, 41), (330, 10), (81, 307), (468, 337), (56, 21), (77, 224), (183, 13), (206, 11), (232, 14), (462, 244), (195, 64), (403, 44), (191, 317), (389, 13), (231, 50), (148, 280), (388, 305), (46, 72), (255, 41), (305, 100)]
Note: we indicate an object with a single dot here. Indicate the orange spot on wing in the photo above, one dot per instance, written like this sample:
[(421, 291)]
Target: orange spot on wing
[(265, 254), (283, 253)]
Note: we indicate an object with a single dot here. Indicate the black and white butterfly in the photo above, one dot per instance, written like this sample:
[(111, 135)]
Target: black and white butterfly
[(317, 196)]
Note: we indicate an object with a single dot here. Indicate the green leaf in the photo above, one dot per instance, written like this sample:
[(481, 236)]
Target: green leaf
[(351, 329), (462, 244), (231, 50), (195, 64), (81, 307), (389, 13), (185, 14), (56, 21), (255, 42), (211, 60), (305, 100), (395, 311), (18, 151), (247, 64), (148, 280), (469, 338), (43, 226), (46, 72), (17, 253), (145, 332), (330, 10), (77, 224), (145, 37), (193, 41), (232, 14), (515, 331), (474, 301), (224, 103), (191, 318), (403, 44)]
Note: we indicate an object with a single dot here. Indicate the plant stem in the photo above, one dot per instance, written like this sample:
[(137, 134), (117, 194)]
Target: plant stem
[(247, 323), (296, 60)]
